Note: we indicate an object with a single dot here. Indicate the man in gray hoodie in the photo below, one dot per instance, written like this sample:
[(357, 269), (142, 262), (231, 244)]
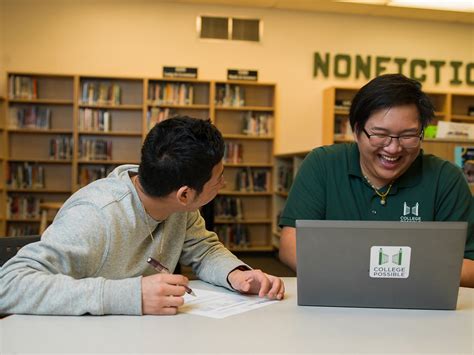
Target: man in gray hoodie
[(93, 257)]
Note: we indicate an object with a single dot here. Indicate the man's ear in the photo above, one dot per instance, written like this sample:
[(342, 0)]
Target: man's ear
[(185, 195)]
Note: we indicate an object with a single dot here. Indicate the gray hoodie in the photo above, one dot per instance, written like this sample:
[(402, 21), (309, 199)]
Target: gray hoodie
[(91, 259)]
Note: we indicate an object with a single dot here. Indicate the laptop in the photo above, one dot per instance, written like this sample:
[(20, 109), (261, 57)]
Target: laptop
[(379, 264)]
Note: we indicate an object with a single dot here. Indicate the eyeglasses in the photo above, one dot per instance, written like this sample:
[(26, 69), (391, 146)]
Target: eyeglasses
[(384, 140)]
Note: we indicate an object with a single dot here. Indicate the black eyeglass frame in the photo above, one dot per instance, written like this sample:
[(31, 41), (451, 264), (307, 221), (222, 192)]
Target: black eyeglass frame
[(419, 136)]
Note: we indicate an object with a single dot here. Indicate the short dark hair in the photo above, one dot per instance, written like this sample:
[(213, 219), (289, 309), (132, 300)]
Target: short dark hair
[(385, 91), (180, 151)]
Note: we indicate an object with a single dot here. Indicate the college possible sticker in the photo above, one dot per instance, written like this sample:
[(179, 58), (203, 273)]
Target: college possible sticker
[(389, 262)]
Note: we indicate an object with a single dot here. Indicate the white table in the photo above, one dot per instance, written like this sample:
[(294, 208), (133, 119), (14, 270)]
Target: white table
[(283, 327)]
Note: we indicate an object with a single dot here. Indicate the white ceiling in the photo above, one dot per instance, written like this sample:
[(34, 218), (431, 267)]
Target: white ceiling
[(346, 8)]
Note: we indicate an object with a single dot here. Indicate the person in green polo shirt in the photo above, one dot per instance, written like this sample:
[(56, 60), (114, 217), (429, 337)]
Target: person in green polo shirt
[(384, 175)]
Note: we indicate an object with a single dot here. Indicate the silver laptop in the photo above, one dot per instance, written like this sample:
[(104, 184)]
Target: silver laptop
[(379, 264)]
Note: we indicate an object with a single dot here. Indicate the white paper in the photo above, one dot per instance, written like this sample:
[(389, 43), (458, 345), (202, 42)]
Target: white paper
[(221, 304)]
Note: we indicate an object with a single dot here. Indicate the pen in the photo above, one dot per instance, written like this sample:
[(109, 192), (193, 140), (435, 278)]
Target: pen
[(163, 269)]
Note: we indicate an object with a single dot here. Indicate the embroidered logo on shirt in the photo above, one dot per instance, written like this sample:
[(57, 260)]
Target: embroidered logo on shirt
[(410, 213)]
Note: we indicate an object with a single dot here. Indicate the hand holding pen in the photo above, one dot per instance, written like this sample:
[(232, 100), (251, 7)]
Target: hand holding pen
[(163, 269)]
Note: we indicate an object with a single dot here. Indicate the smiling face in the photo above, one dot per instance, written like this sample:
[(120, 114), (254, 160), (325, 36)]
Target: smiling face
[(382, 165)]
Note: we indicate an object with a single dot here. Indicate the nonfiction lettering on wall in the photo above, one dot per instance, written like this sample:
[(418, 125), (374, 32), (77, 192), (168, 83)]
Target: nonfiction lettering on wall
[(369, 66)]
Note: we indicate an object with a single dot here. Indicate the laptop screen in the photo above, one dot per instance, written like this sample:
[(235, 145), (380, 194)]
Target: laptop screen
[(379, 264)]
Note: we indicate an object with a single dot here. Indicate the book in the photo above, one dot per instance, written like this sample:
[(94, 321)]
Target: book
[(464, 158), (168, 93), (25, 175), (230, 96), (95, 149), (60, 148), (101, 93), (94, 120), (33, 117), (22, 87)]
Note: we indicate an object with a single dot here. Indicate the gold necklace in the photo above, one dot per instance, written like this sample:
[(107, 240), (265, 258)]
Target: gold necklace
[(383, 196), (151, 234), (149, 229)]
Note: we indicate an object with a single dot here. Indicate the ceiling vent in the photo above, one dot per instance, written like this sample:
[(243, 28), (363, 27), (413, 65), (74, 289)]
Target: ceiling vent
[(229, 28)]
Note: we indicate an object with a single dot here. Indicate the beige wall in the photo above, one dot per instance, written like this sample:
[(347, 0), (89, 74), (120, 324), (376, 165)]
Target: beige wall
[(136, 38)]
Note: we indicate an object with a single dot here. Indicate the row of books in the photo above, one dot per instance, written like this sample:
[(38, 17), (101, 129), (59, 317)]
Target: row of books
[(90, 174), (233, 152), (464, 158), (342, 104), (19, 230), (32, 117), (171, 93), (257, 124), (229, 95), (284, 178), (342, 126), (94, 120), (226, 207), (101, 93), (235, 235), (24, 207), (156, 115), (22, 87), (60, 148), (25, 176), (95, 149), (252, 180)]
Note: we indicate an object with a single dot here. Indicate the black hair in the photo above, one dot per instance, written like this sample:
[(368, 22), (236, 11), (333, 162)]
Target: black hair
[(385, 91), (180, 151)]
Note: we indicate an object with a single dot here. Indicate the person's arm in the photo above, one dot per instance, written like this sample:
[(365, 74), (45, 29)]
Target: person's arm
[(306, 200), (202, 249), (59, 274), (287, 251), (467, 273), (457, 204), (215, 264)]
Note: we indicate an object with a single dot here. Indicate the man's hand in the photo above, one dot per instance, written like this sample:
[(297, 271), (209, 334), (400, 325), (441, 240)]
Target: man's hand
[(257, 282), (162, 293)]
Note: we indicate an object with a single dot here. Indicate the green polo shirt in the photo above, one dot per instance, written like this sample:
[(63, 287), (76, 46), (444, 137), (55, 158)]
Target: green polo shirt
[(330, 186)]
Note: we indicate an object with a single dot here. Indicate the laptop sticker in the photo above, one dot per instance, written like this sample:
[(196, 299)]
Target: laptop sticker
[(390, 262)]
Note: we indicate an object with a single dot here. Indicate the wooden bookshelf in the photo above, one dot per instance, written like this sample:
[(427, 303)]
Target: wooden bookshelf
[(3, 163), (336, 102), (442, 104), (245, 113), (118, 112), (39, 110), (461, 105), (445, 148), (286, 168), (108, 125), (170, 97)]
